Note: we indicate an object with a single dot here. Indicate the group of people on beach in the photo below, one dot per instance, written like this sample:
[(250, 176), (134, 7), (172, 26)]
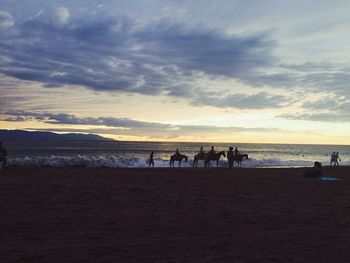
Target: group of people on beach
[(231, 153)]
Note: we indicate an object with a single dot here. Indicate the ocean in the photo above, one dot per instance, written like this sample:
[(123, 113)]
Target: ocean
[(136, 154)]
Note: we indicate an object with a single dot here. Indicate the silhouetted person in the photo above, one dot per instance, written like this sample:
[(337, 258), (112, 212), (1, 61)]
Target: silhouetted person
[(177, 151), (332, 161), (201, 151), (3, 156), (337, 159), (212, 150), (315, 172), (236, 151), (230, 157), (151, 160)]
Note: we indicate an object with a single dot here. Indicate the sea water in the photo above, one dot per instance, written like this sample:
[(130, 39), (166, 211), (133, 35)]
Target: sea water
[(136, 154)]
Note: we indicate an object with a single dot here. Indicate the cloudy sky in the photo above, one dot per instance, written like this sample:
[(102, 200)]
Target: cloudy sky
[(226, 70)]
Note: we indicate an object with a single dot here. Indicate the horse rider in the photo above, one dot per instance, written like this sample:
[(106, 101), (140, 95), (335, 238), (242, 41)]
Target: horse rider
[(236, 151), (201, 151), (177, 151), (230, 157), (212, 150), (3, 156)]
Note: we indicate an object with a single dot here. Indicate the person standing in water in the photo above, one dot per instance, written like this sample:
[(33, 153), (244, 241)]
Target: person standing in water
[(151, 160), (3, 156)]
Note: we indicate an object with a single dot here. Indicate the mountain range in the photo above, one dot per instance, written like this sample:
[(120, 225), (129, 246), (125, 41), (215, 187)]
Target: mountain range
[(21, 135)]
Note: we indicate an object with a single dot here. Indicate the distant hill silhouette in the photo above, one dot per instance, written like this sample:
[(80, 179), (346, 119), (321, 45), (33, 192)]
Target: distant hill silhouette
[(20, 135)]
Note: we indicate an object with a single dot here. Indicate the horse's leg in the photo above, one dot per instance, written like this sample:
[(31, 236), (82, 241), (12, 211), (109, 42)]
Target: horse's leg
[(217, 163), (180, 163)]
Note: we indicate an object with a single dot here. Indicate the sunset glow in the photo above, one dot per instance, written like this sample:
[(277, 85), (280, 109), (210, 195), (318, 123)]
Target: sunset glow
[(199, 71)]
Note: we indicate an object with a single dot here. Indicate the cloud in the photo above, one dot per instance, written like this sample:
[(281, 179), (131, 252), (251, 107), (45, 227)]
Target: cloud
[(62, 15), (261, 100), (118, 54), (327, 109), (124, 126), (6, 20)]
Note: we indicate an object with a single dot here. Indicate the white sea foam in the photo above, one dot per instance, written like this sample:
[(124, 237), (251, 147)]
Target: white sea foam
[(139, 162)]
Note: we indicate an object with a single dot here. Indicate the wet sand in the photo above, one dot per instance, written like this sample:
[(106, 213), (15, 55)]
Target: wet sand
[(173, 215)]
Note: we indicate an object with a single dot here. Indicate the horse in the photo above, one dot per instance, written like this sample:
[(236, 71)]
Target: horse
[(177, 157), (197, 157), (213, 157), (239, 157)]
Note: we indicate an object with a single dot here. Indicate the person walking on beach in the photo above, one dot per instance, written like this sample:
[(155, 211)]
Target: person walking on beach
[(333, 156), (230, 157), (337, 158), (151, 160), (3, 156)]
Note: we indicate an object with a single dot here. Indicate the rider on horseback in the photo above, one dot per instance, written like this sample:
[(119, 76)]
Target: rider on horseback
[(212, 150), (236, 151)]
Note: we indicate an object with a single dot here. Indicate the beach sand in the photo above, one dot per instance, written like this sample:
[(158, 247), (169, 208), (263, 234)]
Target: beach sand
[(173, 215)]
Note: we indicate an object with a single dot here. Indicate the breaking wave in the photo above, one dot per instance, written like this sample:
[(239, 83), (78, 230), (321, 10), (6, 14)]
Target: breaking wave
[(138, 162)]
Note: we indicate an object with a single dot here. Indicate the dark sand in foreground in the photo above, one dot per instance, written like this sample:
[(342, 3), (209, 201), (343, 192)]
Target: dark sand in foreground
[(173, 215)]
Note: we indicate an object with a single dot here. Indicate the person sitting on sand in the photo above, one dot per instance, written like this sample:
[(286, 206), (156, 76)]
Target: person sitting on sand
[(236, 151), (3, 156), (230, 157), (151, 161), (315, 172)]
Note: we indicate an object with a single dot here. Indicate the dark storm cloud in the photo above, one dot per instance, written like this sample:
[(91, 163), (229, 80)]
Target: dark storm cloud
[(118, 54)]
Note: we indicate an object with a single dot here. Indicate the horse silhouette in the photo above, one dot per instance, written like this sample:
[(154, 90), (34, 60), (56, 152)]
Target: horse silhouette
[(239, 157), (177, 157), (197, 157), (213, 157)]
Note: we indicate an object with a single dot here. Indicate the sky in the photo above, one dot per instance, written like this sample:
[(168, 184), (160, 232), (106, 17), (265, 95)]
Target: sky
[(259, 71)]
